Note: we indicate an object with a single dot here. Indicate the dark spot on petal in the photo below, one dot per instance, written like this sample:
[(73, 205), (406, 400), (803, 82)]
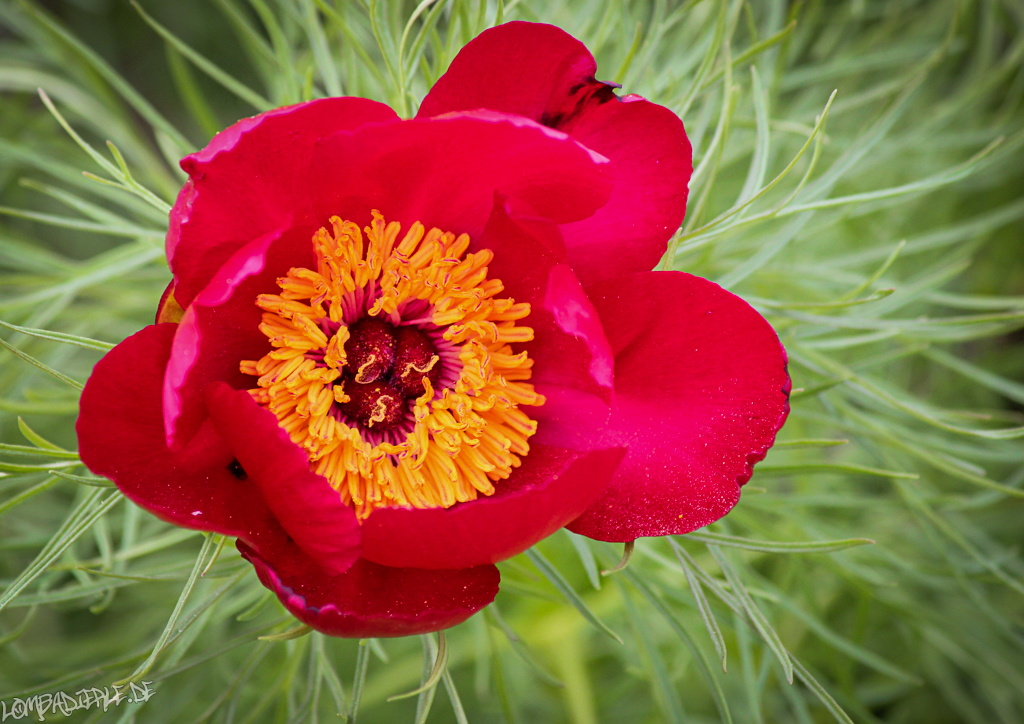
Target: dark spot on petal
[(236, 469), (594, 92), (551, 120)]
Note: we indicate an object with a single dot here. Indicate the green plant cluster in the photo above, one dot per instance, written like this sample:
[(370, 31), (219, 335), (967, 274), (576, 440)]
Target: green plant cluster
[(858, 176)]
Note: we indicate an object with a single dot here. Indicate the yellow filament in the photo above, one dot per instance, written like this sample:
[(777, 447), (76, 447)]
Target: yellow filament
[(380, 409), (361, 372), (462, 440), (434, 359)]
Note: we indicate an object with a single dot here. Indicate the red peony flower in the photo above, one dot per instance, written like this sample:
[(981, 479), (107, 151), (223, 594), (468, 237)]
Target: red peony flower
[(395, 352)]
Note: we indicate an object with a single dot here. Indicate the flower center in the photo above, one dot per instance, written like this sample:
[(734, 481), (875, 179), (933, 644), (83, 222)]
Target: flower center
[(393, 367), (385, 371)]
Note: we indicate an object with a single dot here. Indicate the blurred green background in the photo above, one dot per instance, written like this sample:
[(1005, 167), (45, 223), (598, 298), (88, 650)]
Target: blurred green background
[(889, 256)]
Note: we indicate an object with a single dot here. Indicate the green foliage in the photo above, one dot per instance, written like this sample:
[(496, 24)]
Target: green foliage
[(857, 179)]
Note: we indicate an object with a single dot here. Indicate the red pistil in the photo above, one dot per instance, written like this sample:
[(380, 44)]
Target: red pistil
[(370, 350), (374, 405), (415, 358)]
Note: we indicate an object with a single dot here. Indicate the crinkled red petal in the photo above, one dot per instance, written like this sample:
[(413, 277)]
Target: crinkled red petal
[(701, 390), (445, 171), (221, 328), (370, 600), (573, 364), (543, 73), (249, 180), (121, 436), (553, 486), (304, 503), (569, 347)]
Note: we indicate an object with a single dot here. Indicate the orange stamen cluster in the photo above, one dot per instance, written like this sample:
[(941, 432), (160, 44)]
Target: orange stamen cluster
[(455, 441)]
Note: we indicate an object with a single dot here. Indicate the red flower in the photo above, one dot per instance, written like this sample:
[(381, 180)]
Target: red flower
[(395, 352)]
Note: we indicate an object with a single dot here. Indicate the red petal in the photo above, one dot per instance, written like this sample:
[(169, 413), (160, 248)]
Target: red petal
[(573, 363), (542, 73), (304, 503), (552, 487), (248, 180), (371, 600), (121, 436), (444, 172), (701, 389), (569, 347), (221, 328)]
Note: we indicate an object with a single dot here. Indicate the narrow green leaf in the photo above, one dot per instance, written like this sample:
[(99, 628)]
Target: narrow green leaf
[(665, 693), (714, 687), (67, 222), (45, 468), (753, 51), (1007, 388), (35, 438), (559, 582), (40, 365), (762, 145), (292, 633), (453, 696), (819, 691), (86, 208), (92, 506), (18, 630), (428, 687), (318, 42), (819, 442), (493, 616), (241, 90), (706, 614), (440, 662), (774, 469), (38, 451), (127, 577), (190, 92), (627, 554), (164, 639), (378, 650), (328, 674), (26, 494), (92, 482), (686, 561), (759, 620), (764, 546), (586, 557), (358, 680), (620, 74)]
